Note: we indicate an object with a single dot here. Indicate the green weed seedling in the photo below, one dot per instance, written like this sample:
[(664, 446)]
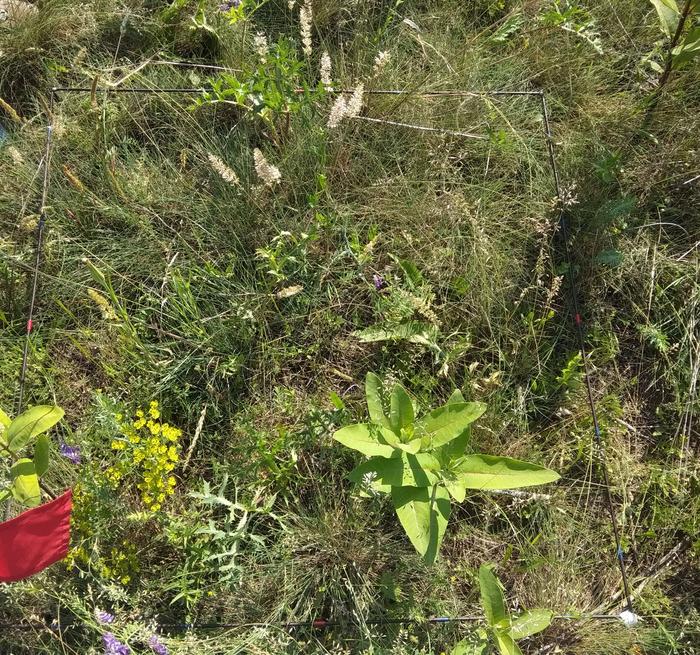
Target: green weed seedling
[(16, 435), (502, 628), (422, 462)]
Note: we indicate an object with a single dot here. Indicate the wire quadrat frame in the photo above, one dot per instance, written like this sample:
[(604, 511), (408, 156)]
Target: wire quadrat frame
[(627, 616)]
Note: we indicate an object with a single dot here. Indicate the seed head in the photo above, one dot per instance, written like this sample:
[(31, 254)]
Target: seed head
[(269, 174)]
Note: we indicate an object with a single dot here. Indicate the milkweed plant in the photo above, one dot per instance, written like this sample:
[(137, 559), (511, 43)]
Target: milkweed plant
[(425, 463), (16, 437), (501, 627)]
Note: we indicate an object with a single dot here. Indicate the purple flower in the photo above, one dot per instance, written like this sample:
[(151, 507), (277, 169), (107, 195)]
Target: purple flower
[(104, 617), (156, 646), (71, 453), (379, 282), (113, 646), (230, 4)]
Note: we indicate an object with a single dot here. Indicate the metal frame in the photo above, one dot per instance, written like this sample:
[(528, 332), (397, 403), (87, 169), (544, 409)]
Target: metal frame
[(575, 305)]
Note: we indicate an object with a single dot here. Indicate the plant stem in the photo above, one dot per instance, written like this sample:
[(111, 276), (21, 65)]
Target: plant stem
[(672, 45)]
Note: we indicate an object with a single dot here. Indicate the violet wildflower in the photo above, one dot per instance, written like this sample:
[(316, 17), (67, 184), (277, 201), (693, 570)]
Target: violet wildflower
[(113, 646), (71, 453), (104, 617), (379, 282), (157, 646), (230, 4)]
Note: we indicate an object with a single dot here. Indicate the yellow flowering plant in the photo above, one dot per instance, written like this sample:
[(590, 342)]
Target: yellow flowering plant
[(149, 448)]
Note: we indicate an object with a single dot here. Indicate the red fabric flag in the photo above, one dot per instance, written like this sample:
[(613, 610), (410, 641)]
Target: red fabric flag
[(35, 539)]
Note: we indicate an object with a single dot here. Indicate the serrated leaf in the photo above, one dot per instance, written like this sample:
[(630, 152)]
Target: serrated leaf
[(448, 422), (367, 438), (418, 332), (25, 483), (610, 258), (506, 644), (404, 471), (492, 600), (495, 472), (530, 623), (423, 513), (669, 15), (614, 209), (413, 275), (41, 454), (30, 424), (401, 414), (374, 392), (508, 28)]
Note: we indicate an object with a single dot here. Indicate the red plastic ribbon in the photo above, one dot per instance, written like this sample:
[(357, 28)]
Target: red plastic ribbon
[(35, 539)]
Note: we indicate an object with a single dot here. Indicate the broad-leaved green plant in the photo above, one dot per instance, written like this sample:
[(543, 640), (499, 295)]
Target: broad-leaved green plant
[(684, 44), (27, 430), (502, 628), (422, 462)]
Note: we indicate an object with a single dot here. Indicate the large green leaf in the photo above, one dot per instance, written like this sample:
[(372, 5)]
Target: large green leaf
[(530, 623), (456, 490), (368, 438), (471, 647), (25, 483), (492, 597), (41, 454), (506, 644), (668, 15), (404, 471), (689, 49), (448, 422), (412, 447), (4, 424), (401, 415), (374, 391), (423, 513), (494, 472), (458, 446), (30, 424)]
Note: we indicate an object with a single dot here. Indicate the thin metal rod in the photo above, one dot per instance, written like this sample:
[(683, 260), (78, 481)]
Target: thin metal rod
[(316, 624), (37, 263), (422, 128), (135, 89), (320, 624), (419, 94), (562, 223), (563, 226)]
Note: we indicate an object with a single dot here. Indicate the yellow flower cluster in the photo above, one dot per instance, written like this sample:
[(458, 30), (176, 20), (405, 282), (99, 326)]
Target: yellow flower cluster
[(151, 447), (121, 563)]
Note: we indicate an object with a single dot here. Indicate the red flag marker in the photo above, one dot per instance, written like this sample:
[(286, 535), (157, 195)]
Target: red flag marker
[(35, 539)]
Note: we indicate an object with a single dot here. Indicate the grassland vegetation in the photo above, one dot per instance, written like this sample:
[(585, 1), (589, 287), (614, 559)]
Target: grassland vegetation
[(222, 269)]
